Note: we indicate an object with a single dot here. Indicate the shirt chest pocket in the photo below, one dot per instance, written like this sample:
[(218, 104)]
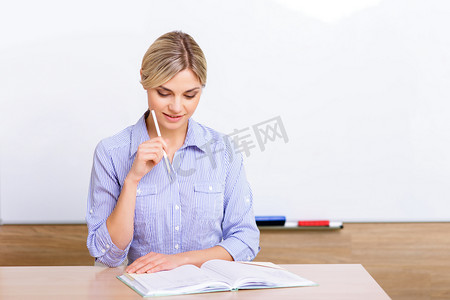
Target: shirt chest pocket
[(208, 200), (146, 202)]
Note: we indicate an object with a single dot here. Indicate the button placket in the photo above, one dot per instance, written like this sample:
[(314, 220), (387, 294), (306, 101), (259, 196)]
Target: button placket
[(177, 216)]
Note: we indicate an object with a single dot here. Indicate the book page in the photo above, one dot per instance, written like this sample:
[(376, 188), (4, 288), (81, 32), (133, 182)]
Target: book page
[(184, 279), (261, 263), (254, 276)]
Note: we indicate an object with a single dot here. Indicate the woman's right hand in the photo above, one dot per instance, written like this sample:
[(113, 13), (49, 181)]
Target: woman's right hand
[(148, 155)]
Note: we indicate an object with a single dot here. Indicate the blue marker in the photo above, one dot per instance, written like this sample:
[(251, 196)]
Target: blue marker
[(270, 220)]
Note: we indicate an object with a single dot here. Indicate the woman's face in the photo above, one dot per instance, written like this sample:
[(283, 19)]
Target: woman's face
[(175, 101)]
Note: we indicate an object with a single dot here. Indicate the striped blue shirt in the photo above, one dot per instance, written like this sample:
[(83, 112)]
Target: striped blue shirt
[(210, 203)]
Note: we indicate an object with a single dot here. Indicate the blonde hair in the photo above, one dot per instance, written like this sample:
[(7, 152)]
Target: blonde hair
[(171, 53)]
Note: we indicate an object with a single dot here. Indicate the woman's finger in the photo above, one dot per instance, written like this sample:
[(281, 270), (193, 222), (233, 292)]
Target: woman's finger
[(156, 141), (147, 264), (159, 265), (157, 152), (139, 262), (150, 149)]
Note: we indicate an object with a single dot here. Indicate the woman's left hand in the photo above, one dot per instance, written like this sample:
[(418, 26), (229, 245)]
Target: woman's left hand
[(155, 262)]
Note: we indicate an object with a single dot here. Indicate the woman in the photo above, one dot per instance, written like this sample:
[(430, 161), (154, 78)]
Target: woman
[(135, 211)]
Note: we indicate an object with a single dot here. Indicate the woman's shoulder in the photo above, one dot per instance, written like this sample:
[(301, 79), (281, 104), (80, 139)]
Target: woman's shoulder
[(120, 140), (126, 138)]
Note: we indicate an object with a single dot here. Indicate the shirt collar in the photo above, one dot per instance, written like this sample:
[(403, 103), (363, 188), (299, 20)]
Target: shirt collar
[(139, 134), (194, 136)]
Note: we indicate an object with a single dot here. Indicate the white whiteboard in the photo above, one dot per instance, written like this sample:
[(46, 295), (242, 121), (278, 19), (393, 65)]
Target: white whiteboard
[(362, 88)]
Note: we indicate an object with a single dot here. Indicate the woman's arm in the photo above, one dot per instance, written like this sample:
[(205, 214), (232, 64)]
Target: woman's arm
[(104, 190), (155, 262), (240, 233), (120, 223)]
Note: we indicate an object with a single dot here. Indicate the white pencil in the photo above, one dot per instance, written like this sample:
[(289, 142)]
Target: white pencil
[(166, 159)]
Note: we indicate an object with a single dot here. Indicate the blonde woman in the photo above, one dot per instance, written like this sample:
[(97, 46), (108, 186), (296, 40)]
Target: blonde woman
[(135, 211)]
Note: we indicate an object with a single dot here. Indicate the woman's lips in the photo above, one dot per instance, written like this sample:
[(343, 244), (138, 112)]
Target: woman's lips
[(172, 118)]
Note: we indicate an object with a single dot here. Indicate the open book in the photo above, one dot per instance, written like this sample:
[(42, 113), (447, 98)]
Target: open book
[(214, 276)]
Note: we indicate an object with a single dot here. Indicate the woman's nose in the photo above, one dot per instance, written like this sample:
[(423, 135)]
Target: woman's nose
[(175, 104)]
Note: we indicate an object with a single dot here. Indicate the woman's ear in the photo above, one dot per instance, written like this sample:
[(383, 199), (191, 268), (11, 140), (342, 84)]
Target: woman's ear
[(140, 72)]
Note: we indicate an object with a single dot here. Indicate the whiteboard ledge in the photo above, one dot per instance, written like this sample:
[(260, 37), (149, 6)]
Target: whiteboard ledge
[(42, 222), (82, 221)]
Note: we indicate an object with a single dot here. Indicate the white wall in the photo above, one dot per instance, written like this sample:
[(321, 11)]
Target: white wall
[(362, 88)]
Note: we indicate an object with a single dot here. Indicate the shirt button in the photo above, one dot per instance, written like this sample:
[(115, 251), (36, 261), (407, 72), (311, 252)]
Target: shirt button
[(210, 188), (177, 228), (138, 191), (177, 207), (91, 211), (107, 246), (177, 246), (103, 250), (249, 258), (247, 200)]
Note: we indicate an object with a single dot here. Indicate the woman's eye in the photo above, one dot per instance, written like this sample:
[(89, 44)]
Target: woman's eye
[(162, 94), (190, 96)]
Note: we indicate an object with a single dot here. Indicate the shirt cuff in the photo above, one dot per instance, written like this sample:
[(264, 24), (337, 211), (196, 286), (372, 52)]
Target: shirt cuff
[(108, 253), (239, 250)]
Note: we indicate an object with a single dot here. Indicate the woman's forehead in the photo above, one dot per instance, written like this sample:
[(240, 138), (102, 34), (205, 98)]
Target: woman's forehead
[(183, 81)]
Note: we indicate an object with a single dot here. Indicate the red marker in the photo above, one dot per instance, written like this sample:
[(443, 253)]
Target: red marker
[(319, 223), (314, 223)]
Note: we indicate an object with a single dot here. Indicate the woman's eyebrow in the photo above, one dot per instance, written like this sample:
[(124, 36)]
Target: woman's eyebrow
[(164, 88), (196, 88), (168, 90)]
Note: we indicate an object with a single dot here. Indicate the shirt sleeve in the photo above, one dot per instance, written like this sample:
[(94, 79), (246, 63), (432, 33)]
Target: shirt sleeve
[(104, 190), (240, 233)]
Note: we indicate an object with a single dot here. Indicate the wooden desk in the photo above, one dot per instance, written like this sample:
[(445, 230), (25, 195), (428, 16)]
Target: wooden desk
[(346, 281)]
